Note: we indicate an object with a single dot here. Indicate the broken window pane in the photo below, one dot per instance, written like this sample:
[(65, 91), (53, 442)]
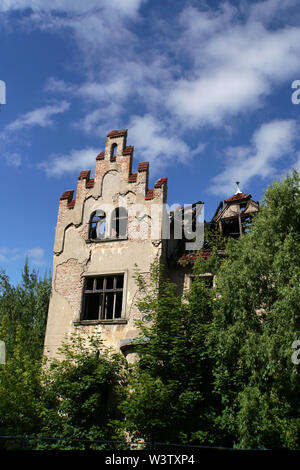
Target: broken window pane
[(110, 282), (92, 303), (119, 223), (97, 225), (103, 297), (99, 283), (120, 280), (89, 282)]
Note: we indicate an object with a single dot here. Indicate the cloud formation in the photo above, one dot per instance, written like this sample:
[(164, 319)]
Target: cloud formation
[(41, 117), (235, 65), (157, 144), (128, 7), (222, 64), (270, 142), (9, 255), (76, 160)]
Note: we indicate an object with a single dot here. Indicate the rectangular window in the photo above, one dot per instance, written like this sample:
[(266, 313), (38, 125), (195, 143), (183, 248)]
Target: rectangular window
[(207, 278), (103, 297)]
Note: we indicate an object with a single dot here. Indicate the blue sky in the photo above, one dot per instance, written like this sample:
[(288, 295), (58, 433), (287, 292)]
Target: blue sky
[(203, 87)]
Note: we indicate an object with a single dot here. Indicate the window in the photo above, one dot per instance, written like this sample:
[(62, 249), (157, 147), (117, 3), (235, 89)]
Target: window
[(113, 152), (97, 225), (208, 279), (119, 223), (103, 297), (230, 227)]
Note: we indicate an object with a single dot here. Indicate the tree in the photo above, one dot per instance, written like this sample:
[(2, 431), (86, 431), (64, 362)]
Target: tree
[(170, 396), (24, 307), (216, 367), (20, 394), (256, 319), (81, 392), (23, 314)]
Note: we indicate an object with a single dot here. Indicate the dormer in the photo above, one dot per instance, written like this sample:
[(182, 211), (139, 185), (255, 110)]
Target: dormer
[(234, 216)]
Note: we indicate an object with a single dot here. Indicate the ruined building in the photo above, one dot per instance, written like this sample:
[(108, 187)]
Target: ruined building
[(115, 223)]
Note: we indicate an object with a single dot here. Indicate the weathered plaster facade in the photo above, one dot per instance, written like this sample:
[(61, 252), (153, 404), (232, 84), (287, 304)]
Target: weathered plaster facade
[(77, 257), (95, 261)]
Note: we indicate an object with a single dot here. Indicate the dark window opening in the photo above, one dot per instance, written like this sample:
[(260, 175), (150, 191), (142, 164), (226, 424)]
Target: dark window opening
[(113, 152), (208, 279), (103, 297), (119, 223), (230, 228), (97, 225)]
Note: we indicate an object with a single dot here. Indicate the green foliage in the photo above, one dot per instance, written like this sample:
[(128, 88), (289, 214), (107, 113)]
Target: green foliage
[(23, 313), (212, 237), (170, 385), (20, 393), (216, 367), (74, 398), (256, 319), (81, 392), (24, 307)]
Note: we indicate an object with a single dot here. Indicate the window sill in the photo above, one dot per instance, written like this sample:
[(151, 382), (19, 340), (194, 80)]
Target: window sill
[(105, 240), (117, 321)]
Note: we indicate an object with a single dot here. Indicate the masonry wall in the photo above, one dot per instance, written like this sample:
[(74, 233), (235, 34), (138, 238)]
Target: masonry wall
[(77, 256)]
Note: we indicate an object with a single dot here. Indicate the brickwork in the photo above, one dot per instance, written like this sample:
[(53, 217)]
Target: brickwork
[(69, 274)]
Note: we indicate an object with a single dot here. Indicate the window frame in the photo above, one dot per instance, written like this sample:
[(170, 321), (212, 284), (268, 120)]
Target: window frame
[(118, 214), (92, 220), (108, 218), (122, 319)]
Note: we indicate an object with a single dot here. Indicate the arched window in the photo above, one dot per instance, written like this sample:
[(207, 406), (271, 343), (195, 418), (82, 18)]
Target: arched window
[(119, 223), (97, 225), (113, 152)]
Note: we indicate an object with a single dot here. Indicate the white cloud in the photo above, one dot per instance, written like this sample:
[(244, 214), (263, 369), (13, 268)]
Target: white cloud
[(128, 7), (235, 66), (296, 166), (115, 89), (9, 255), (54, 85), (11, 133), (224, 61), (157, 143), (221, 63), (41, 117), (153, 141), (270, 143), (266, 10), (36, 255), (76, 160), (12, 159)]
